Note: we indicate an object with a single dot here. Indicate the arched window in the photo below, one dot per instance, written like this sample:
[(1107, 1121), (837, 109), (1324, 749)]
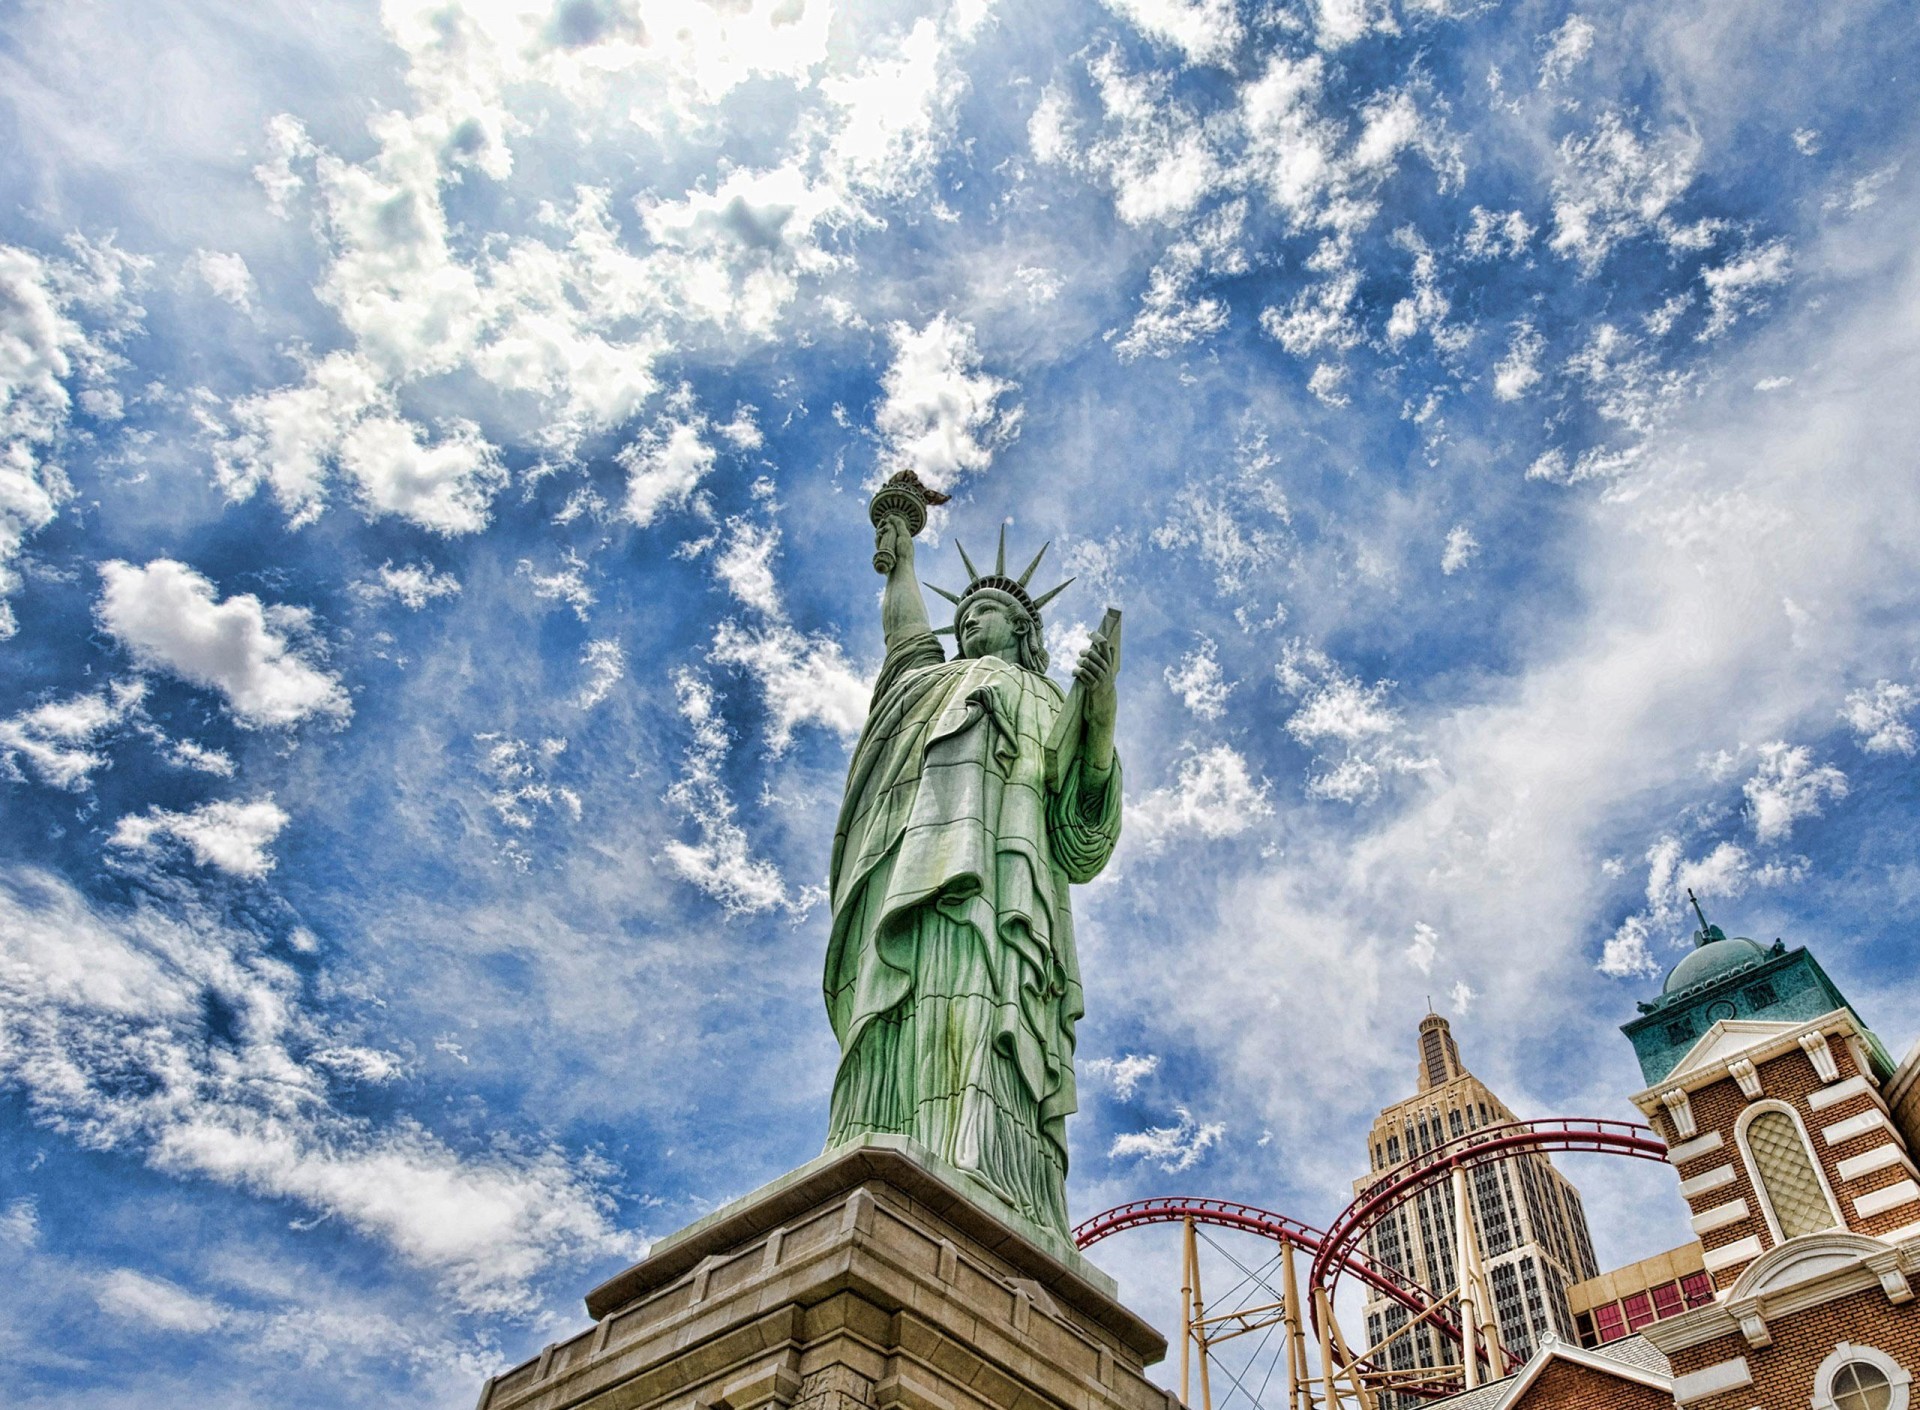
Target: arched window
[(1860, 1378), (1790, 1184)]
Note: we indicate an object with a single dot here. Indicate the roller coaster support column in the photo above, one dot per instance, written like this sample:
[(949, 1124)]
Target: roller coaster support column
[(1299, 1384), (1463, 1272), (1193, 1320)]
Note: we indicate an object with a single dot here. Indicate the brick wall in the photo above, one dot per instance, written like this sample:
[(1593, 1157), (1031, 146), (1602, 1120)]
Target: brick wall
[(1565, 1385), (1783, 1372), (1788, 1077)]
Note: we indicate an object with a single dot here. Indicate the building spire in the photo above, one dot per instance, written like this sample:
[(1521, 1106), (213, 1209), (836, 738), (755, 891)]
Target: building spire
[(1439, 1055)]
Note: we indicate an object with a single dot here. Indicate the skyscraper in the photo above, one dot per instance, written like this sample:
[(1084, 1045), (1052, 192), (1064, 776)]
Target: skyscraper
[(1529, 1225)]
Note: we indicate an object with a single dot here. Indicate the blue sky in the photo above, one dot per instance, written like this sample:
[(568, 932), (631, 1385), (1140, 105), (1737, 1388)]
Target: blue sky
[(434, 443)]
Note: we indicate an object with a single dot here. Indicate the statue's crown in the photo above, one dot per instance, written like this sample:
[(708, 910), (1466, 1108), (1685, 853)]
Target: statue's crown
[(998, 584)]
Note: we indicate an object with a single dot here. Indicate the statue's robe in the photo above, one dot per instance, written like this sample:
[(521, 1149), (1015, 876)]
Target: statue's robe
[(951, 977)]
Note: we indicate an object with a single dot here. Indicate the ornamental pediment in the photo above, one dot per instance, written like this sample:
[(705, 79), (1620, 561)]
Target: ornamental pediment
[(1726, 1040)]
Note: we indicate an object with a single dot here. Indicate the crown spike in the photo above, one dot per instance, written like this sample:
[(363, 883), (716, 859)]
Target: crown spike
[(1000, 558), (973, 573), (1028, 575), (954, 598), (1046, 597), (947, 630)]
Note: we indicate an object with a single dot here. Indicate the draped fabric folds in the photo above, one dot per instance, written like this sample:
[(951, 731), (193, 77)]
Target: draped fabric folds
[(951, 977)]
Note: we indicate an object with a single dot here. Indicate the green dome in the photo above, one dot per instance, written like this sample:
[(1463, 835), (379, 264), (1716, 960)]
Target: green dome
[(1716, 957)]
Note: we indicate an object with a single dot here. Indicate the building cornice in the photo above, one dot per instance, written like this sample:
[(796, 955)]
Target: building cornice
[(1838, 1265), (1837, 1023)]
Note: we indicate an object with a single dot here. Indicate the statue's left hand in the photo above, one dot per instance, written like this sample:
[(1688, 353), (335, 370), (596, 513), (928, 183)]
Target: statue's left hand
[(1098, 666)]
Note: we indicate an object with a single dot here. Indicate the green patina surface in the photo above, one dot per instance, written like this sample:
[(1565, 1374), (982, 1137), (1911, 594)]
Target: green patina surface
[(1734, 978), (951, 977)]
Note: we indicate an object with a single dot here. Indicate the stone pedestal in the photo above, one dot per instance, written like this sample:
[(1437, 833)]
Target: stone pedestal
[(875, 1277)]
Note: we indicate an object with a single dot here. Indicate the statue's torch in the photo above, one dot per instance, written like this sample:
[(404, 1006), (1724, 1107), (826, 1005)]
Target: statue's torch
[(904, 498)]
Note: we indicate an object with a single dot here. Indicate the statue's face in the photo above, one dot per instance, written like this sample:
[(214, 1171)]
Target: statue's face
[(987, 629)]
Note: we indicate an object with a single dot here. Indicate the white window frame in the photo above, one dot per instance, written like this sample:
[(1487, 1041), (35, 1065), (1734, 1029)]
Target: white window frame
[(1898, 1377), (1747, 1117)]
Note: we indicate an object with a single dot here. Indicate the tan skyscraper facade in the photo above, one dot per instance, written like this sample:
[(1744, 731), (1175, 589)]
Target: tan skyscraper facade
[(1529, 1224)]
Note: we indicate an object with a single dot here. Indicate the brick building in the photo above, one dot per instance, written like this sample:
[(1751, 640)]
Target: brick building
[(1789, 1129)]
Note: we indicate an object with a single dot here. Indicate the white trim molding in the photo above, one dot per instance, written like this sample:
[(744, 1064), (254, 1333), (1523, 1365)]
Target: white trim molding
[(1747, 1075), (1873, 1119), (1706, 1180), (1898, 1377), (1721, 1215), (1694, 1149), (1823, 1097), (1879, 1158), (1681, 1109), (1739, 1251), (1712, 1380), (1880, 1201), (1825, 1067)]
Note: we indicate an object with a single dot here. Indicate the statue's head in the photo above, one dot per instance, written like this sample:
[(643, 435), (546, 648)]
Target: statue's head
[(995, 624), (995, 617)]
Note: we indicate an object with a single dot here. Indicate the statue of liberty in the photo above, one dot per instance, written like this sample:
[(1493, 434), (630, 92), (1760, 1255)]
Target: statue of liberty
[(979, 791)]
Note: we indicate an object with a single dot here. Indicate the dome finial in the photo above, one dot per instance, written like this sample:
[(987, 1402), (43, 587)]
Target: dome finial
[(1706, 934)]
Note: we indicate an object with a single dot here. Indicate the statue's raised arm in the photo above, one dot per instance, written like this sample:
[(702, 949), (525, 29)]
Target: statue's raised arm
[(951, 978)]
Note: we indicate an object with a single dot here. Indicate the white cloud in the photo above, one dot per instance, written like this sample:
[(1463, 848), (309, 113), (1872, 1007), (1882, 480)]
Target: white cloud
[(47, 351), (939, 416), (169, 618), (567, 583), (1171, 314), (1461, 996), (1571, 44), (745, 565), (1318, 318), (1173, 1148), (103, 1029), (1496, 234), (1357, 736), (1205, 31), (1519, 370), (226, 276), (230, 837), (413, 585), (1213, 794), (521, 775), (1614, 186), (804, 679), (58, 741), (1788, 786), (1221, 523), (664, 467), (1877, 715), (154, 1302), (1461, 549), (1125, 1073), (1325, 384), (721, 862), (187, 754), (20, 1222), (606, 662), (1626, 954), (1160, 159), (1425, 947), (894, 112), (1736, 288), (1197, 680), (344, 417)]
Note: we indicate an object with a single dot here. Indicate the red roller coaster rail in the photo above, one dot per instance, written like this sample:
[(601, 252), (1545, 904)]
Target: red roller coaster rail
[(1489, 1143), (1337, 1250)]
